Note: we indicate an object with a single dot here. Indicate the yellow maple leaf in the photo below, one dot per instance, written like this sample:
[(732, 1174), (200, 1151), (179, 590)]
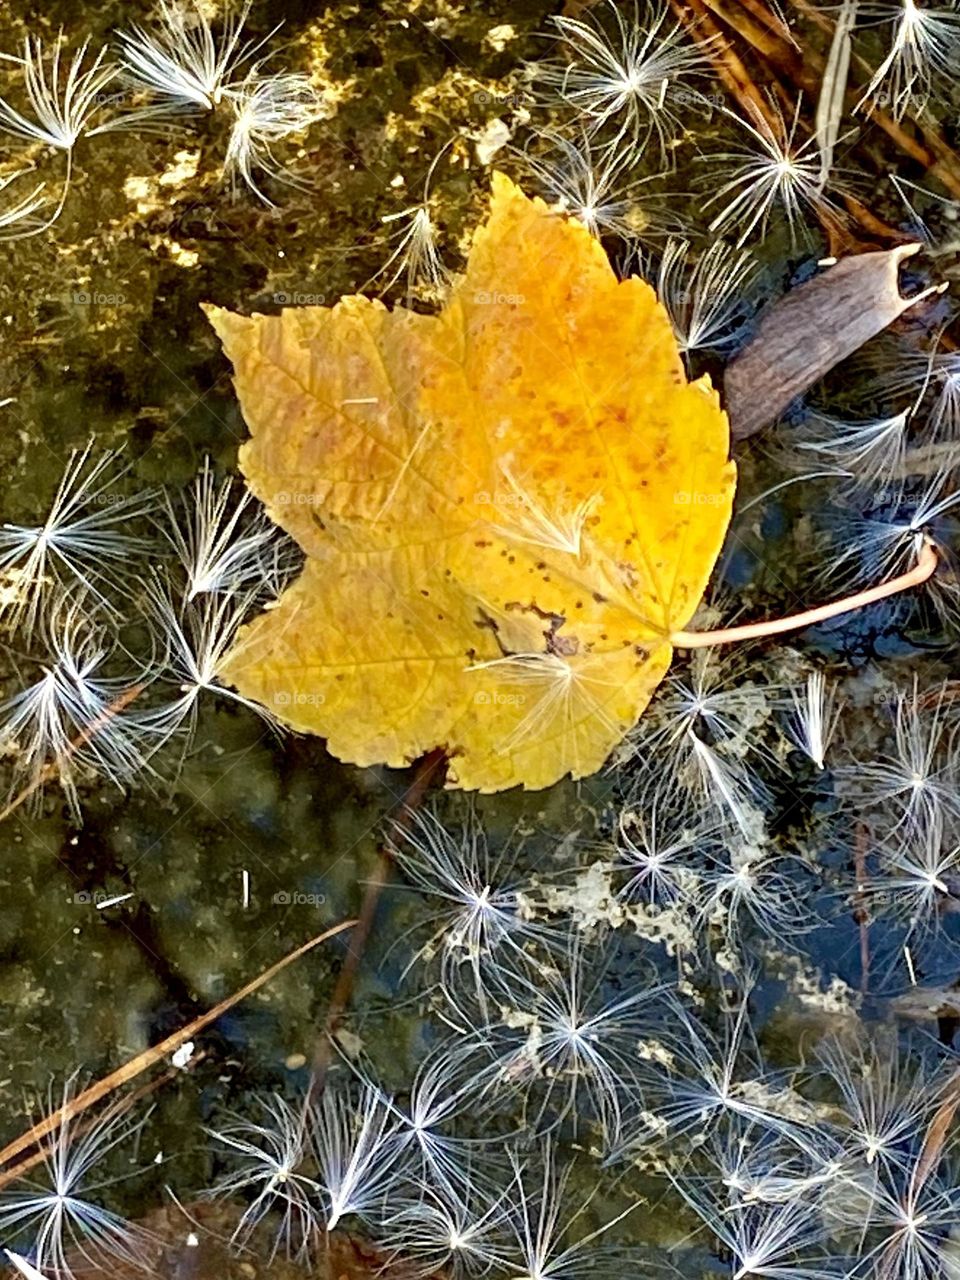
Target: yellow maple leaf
[(507, 508)]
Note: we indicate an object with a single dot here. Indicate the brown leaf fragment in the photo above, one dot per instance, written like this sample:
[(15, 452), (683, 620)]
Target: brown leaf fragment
[(811, 329)]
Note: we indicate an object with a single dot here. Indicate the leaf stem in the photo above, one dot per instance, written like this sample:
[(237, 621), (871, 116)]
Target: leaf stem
[(926, 564)]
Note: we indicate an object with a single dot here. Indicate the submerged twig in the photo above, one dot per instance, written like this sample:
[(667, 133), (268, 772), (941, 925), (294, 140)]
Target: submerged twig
[(148, 1058), (861, 914), (409, 802), (49, 772)]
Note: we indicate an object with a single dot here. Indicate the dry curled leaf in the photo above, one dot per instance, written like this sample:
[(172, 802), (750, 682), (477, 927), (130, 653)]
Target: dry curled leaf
[(810, 330), (507, 508)]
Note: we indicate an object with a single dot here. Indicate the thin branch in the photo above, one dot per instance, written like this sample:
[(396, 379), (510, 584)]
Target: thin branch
[(425, 773), (726, 62), (49, 771), (861, 914), (149, 1057), (933, 152)]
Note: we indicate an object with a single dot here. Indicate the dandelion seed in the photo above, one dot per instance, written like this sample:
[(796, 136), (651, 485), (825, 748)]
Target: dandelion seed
[(816, 717), (696, 735), (763, 1240), (356, 1148), (918, 879), (64, 107), (726, 786), (224, 551), (65, 1232), (716, 1080), (565, 1039), (70, 719), (753, 887), (544, 1243), (435, 1101), (872, 453), (558, 529), (759, 1166), (196, 637), (476, 915), (450, 1235), (416, 256), (626, 78), (267, 109), (659, 852), (886, 1102), (273, 1161), (916, 775), (568, 696), (79, 544), (707, 699), (886, 537), (923, 53), (779, 173), (595, 187), (914, 1218), (184, 62), (708, 303)]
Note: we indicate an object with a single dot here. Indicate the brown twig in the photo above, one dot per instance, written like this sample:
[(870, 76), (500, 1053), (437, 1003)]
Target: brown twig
[(779, 52), (772, 21), (726, 62), (118, 1108), (930, 1153), (51, 769), (149, 1057), (932, 152), (860, 914), (936, 1136), (425, 773)]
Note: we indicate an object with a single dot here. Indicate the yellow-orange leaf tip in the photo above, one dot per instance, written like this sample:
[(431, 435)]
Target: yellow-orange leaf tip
[(507, 508)]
